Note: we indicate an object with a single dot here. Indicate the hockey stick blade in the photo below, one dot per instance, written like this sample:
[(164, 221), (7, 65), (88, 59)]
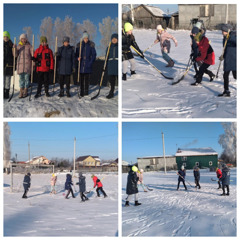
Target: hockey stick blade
[(170, 78), (96, 95)]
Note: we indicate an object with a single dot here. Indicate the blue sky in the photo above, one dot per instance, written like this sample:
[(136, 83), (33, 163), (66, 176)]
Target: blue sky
[(18, 16), (145, 139), (167, 7), (57, 139)]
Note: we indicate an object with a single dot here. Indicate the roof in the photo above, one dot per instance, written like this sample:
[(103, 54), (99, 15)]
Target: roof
[(195, 152), (36, 158), (124, 163), (167, 156), (156, 11), (82, 158)]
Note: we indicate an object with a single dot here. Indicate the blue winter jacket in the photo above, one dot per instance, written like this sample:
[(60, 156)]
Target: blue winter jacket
[(68, 182), (183, 174), (26, 182), (225, 176), (230, 54), (88, 56), (113, 60), (66, 60), (82, 183)]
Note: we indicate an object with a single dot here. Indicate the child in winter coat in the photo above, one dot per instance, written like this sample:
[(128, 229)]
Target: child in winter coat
[(68, 185), (206, 56), (82, 186), (128, 40), (26, 184), (132, 188), (140, 179), (53, 183), (196, 174), (219, 175), (225, 179), (229, 57), (112, 64), (87, 58), (99, 185), (66, 65), (181, 173), (8, 67), (164, 38), (24, 64), (43, 57)]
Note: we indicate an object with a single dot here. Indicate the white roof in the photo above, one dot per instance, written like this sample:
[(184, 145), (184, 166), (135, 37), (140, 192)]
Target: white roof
[(196, 152), (156, 11), (166, 156), (124, 163)]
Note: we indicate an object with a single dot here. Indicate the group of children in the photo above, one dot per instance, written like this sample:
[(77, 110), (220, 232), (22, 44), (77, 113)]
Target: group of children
[(202, 54), (68, 185), (67, 62)]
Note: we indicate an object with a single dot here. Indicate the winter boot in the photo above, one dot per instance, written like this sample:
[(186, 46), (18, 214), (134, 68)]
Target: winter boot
[(211, 75), (223, 194), (170, 63), (127, 204), (137, 203), (68, 93), (47, 94), (37, 95), (124, 77), (194, 84), (133, 72), (61, 94), (228, 194), (21, 93), (6, 93), (226, 93), (110, 95), (25, 92)]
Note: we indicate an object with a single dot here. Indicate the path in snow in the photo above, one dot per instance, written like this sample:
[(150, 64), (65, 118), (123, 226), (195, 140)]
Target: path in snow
[(68, 107), (167, 212), (43, 214), (148, 94)]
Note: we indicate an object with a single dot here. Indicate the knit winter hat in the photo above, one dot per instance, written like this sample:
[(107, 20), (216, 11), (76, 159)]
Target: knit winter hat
[(85, 35), (159, 27), (80, 174), (114, 35), (43, 39), (66, 39), (141, 171), (128, 27), (226, 27), (6, 34), (92, 176), (182, 167), (24, 35), (134, 169), (195, 30)]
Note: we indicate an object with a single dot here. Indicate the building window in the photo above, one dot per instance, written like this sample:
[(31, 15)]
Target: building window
[(184, 164), (207, 10), (184, 159), (197, 163), (210, 163)]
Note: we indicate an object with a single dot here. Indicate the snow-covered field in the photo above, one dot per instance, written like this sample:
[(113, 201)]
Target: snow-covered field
[(167, 212), (43, 214), (148, 94), (68, 107)]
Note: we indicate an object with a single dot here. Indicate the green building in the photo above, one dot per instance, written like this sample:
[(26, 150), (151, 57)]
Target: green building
[(202, 157)]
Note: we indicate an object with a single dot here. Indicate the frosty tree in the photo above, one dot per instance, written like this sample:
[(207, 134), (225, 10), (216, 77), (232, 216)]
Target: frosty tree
[(107, 28), (228, 141), (28, 31), (6, 145), (46, 29)]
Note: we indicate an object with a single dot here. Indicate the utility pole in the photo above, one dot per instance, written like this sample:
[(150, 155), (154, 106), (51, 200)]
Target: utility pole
[(29, 152), (132, 14), (74, 156), (165, 164), (226, 20)]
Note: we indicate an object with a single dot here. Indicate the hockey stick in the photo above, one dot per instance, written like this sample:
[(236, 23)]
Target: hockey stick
[(103, 72), (184, 179), (30, 99), (225, 44), (79, 65), (14, 62), (150, 62), (150, 189), (55, 65), (149, 47)]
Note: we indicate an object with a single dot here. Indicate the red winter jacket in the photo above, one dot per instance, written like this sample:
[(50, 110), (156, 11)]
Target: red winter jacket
[(206, 51), (219, 173), (44, 59), (97, 182)]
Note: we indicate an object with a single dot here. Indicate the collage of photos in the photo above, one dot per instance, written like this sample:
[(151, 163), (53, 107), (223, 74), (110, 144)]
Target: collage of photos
[(152, 155)]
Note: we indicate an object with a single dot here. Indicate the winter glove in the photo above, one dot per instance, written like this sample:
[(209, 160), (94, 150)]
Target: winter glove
[(141, 54), (221, 58), (33, 59), (199, 63), (73, 70)]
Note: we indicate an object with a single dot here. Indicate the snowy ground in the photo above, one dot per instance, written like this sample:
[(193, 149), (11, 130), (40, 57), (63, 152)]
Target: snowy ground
[(68, 107), (148, 94), (43, 214), (167, 212)]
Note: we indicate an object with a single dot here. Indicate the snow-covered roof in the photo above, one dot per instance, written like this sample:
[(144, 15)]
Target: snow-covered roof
[(195, 152), (124, 163), (156, 11), (166, 156)]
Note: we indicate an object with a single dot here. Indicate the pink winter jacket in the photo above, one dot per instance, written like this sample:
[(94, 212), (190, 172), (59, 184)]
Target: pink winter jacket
[(164, 39), (53, 180), (140, 176), (24, 58)]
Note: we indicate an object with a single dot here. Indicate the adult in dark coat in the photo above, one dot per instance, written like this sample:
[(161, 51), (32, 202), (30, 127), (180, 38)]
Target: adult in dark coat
[(82, 186), (229, 57), (181, 173), (26, 184), (87, 58), (225, 179), (66, 65), (196, 174), (128, 40), (132, 188), (112, 64), (8, 63), (68, 185)]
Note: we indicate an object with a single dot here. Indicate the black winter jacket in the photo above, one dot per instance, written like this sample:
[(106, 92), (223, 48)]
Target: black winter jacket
[(132, 183), (8, 58)]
